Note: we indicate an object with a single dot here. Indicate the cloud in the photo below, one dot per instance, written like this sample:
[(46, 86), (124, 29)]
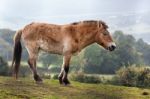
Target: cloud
[(16, 13), (118, 14)]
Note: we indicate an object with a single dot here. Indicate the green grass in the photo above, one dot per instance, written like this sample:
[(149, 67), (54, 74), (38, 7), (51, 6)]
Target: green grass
[(26, 88)]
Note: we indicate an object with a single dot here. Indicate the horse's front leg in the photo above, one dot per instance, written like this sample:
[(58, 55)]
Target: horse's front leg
[(63, 76)]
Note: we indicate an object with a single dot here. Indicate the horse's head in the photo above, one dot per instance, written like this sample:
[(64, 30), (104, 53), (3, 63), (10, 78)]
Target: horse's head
[(103, 37)]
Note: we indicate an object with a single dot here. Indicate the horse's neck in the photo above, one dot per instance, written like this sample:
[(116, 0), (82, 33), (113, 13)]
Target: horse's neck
[(86, 40), (84, 44)]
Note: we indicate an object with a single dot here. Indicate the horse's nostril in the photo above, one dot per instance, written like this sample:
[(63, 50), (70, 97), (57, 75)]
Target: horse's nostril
[(112, 47)]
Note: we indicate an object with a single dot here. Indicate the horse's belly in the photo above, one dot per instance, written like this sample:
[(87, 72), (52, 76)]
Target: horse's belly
[(50, 47)]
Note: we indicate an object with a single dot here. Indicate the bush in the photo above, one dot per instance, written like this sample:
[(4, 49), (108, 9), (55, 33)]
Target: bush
[(55, 76), (24, 71), (46, 76), (55, 69), (84, 78), (133, 76), (4, 69)]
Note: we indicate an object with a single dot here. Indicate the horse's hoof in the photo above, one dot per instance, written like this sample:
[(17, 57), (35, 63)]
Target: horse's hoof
[(37, 78), (39, 82), (66, 82), (60, 80)]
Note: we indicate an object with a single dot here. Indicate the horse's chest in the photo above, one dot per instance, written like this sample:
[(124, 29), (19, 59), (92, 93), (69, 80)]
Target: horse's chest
[(69, 46)]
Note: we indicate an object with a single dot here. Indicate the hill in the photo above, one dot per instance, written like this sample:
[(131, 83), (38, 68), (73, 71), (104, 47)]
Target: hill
[(50, 89), (6, 42)]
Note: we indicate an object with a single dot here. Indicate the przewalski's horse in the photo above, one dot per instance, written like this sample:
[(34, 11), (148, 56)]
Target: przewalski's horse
[(59, 39)]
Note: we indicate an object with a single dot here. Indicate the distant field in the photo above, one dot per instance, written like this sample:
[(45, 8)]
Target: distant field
[(50, 89), (104, 76), (24, 63)]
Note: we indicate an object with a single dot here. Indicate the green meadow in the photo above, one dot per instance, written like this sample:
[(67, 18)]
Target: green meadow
[(26, 88)]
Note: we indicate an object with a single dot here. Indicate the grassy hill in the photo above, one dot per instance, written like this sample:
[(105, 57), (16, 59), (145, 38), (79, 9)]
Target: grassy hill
[(25, 88), (6, 43)]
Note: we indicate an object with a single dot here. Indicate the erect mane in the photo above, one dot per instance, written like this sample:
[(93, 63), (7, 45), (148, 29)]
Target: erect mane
[(91, 22)]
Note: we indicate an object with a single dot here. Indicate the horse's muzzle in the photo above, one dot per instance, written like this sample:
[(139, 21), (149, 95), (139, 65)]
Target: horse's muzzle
[(111, 46)]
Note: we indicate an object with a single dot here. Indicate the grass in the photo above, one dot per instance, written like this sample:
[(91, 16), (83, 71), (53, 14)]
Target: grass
[(26, 88)]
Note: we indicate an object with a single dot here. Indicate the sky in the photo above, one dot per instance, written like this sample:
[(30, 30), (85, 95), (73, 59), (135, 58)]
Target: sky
[(15, 14)]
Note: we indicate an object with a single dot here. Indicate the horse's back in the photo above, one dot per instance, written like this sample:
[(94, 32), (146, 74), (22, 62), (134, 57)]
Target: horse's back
[(36, 31), (47, 37)]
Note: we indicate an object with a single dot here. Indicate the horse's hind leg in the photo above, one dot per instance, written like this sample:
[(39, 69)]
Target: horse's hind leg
[(32, 64), (33, 53)]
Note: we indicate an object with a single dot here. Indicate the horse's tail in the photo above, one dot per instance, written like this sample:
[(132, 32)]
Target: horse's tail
[(17, 53)]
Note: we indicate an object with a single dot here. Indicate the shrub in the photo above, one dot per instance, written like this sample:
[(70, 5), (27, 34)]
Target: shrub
[(143, 79), (84, 78), (46, 76), (4, 69), (24, 71), (55, 69), (133, 76), (55, 76)]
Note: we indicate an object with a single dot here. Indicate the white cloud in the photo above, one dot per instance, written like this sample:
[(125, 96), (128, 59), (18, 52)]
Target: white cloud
[(17, 13)]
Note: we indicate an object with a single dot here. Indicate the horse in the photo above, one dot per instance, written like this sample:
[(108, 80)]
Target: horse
[(65, 40)]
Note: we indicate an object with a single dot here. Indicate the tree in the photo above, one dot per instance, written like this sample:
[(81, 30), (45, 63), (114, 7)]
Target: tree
[(102, 61), (49, 59), (144, 50), (4, 69)]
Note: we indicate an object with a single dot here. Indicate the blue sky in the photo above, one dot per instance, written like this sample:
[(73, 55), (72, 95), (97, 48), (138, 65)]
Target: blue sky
[(14, 14)]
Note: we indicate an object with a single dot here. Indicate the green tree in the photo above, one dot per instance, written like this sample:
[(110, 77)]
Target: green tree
[(102, 61), (144, 50), (4, 69), (50, 59)]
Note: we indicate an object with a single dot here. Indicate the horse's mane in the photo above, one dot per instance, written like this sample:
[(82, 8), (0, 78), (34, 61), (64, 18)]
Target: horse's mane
[(91, 22)]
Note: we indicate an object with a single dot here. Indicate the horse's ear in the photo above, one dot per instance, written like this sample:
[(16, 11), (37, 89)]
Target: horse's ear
[(100, 26)]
